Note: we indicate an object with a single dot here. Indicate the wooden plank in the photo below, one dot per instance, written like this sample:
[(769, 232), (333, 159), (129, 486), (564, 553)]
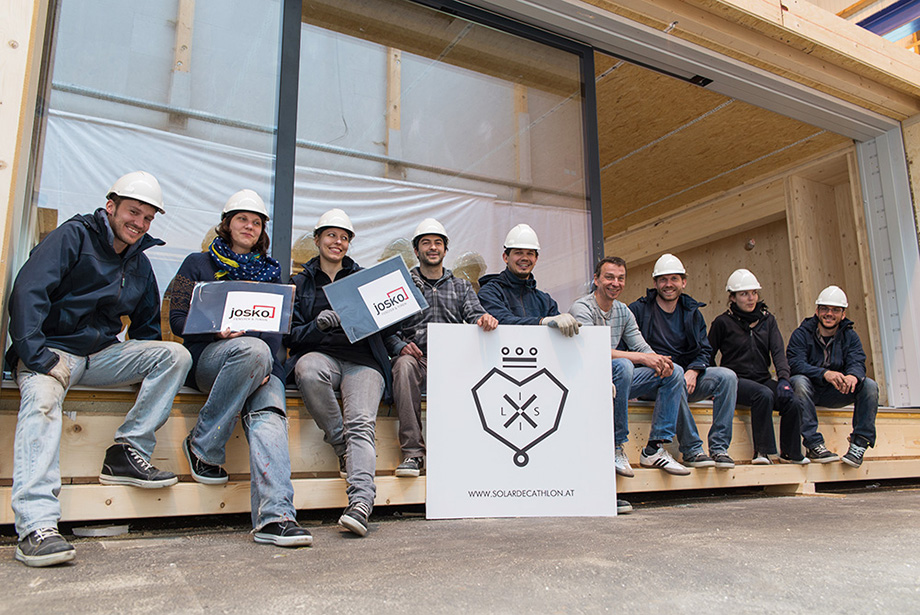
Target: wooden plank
[(182, 56)]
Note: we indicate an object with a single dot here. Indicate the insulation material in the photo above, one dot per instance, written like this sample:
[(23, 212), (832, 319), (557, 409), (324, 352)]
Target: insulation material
[(84, 155)]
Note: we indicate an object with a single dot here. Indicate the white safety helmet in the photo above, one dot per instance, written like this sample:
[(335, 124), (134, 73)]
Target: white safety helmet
[(668, 264), (140, 186), (832, 296), (522, 237), (742, 279), (245, 200), (429, 226), (335, 218)]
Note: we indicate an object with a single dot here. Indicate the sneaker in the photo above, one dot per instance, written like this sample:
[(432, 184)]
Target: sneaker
[(622, 463), (354, 519), (343, 470), (623, 507), (854, 456), (124, 465), (700, 460), (663, 461), (284, 534), (820, 454), (44, 547), (760, 459), (804, 461), (202, 471), (411, 466), (723, 461)]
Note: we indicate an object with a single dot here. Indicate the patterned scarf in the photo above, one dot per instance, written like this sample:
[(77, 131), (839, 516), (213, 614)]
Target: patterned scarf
[(252, 267)]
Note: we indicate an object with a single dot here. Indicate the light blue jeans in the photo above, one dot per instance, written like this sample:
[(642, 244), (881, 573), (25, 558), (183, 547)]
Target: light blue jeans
[(635, 381), (160, 367), (721, 384), (349, 431), (231, 371)]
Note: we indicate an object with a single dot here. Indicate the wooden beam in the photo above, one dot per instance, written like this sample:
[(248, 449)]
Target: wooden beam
[(394, 112)]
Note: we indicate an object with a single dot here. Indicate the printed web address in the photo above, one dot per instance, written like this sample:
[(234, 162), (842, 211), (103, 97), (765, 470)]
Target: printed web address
[(522, 493)]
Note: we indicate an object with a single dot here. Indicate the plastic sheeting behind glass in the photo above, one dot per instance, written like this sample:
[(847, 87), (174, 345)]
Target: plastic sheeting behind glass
[(483, 127)]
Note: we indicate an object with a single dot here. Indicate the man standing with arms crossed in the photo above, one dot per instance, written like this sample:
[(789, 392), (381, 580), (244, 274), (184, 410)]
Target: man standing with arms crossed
[(450, 300), (65, 313)]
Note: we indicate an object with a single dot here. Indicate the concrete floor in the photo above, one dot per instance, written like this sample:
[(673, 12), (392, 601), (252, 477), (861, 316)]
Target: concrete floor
[(852, 552)]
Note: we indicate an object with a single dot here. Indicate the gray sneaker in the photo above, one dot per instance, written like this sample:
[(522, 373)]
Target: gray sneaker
[(44, 547), (854, 456), (623, 507), (723, 461), (410, 467), (700, 460), (622, 463)]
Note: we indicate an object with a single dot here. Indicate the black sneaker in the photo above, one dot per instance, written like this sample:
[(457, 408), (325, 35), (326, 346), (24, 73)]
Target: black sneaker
[(802, 461), (411, 466), (723, 461), (124, 465), (343, 470), (355, 517), (700, 460), (284, 534), (854, 456), (820, 454), (623, 507), (44, 547), (202, 471)]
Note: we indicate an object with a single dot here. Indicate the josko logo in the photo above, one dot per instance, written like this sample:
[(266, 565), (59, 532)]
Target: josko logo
[(394, 298), (266, 312), (520, 413)]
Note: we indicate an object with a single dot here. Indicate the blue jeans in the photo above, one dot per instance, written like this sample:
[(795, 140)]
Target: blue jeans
[(160, 367), (864, 399), (632, 381), (231, 371), (350, 431), (721, 384)]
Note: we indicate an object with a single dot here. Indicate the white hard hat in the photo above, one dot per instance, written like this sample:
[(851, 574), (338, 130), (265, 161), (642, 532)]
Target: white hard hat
[(523, 237), (832, 296), (140, 186), (428, 226), (668, 264), (245, 200), (336, 218), (742, 279)]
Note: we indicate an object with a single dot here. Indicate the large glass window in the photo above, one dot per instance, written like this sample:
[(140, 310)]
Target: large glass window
[(406, 112)]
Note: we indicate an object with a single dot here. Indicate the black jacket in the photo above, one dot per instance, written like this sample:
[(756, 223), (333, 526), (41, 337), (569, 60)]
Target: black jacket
[(845, 351), (699, 353), (747, 351), (73, 291), (514, 301), (305, 336)]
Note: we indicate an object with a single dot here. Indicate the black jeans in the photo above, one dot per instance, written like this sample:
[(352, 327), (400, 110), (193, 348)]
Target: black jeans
[(762, 399)]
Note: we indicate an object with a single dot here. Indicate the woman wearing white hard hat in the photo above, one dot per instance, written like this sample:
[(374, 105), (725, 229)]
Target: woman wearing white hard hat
[(323, 360), (748, 337), (242, 375)]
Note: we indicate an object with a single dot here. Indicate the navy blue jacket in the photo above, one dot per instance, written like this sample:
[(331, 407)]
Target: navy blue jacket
[(845, 352), (305, 336), (699, 353), (73, 291), (514, 301), (200, 267)]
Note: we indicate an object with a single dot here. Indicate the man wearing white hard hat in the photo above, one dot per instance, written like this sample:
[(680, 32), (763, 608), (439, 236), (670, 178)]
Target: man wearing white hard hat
[(829, 369), (512, 296), (672, 324), (65, 316), (450, 300)]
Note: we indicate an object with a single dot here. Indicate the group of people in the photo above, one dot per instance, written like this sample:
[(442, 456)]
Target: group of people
[(69, 297)]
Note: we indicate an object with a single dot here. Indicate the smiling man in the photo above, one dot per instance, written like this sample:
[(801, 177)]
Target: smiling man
[(512, 296), (671, 322), (450, 300), (829, 369), (65, 316)]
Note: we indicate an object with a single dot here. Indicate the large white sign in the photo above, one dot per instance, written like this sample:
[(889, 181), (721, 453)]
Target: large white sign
[(246, 311), (520, 423)]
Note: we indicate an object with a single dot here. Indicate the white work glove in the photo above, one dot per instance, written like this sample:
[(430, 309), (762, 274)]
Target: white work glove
[(564, 322), (327, 319), (61, 373)]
